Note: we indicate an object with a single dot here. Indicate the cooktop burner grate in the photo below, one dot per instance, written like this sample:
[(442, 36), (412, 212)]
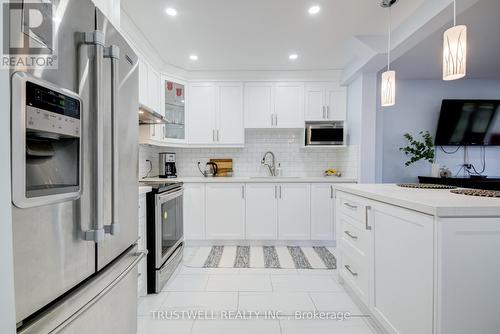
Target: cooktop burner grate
[(425, 186), (477, 192)]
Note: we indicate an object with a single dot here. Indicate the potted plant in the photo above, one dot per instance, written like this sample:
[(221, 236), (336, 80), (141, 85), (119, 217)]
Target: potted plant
[(420, 149)]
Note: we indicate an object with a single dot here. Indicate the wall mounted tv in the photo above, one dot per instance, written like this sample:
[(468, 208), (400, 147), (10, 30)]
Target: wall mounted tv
[(469, 122)]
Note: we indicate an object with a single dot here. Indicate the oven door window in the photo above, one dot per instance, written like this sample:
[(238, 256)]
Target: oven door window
[(171, 229)]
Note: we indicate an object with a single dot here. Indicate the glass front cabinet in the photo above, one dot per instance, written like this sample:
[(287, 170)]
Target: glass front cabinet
[(173, 96)]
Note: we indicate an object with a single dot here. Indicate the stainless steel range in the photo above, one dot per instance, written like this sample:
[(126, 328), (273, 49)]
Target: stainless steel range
[(164, 232)]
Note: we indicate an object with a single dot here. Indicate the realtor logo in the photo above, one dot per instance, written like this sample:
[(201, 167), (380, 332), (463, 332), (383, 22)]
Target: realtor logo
[(28, 35)]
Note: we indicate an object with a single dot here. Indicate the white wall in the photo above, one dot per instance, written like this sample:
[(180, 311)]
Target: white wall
[(361, 122), (286, 145), (417, 108)]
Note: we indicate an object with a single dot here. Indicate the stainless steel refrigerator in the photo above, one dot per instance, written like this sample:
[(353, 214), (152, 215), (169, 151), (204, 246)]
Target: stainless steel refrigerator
[(74, 180)]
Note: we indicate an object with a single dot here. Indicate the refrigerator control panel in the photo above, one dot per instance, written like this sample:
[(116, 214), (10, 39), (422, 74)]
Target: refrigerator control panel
[(48, 110)]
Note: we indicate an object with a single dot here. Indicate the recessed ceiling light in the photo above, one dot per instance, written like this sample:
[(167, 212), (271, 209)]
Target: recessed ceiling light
[(171, 11), (314, 10), (193, 57), (293, 56)]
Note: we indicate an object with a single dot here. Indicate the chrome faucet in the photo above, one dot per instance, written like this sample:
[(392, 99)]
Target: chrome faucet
[(272, 167)]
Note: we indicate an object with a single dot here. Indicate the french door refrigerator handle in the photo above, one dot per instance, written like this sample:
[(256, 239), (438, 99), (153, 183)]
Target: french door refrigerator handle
[(96, 39), (113, 53)]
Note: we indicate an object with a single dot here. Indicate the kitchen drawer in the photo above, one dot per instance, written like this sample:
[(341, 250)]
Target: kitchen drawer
[(354, 207), (357, 238), (355, 272)]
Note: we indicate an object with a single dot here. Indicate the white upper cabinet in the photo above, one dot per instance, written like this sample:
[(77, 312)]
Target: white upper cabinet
[(230, 128), (215, 114), (154, 88), (259, 105), (325, 101), (143, 83), (201, 108), (274, 105), (289, 105)]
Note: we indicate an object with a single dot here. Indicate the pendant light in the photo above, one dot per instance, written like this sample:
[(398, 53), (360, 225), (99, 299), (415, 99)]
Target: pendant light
[(455, 50), (388, 84)]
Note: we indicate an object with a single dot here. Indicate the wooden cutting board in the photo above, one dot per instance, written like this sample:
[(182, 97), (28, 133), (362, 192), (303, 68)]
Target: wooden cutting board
[(224, 166)]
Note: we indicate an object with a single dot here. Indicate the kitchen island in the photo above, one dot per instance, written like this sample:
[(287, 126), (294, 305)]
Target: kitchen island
[(419, 260)]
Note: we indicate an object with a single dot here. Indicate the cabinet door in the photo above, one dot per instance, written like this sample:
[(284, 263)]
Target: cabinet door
[(259, 105), (315, 102), (289, 105), (143, 83), (261, 221), (402, 281), (201, 108), (154, 89), (294, 211), (194, 211), (336, 103), (225, 211), (230, 116), (322, 204)]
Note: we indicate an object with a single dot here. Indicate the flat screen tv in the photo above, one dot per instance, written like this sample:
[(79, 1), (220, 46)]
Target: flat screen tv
[(469, 122)]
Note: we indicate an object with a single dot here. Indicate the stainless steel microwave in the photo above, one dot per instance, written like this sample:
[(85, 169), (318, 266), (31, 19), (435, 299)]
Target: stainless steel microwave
[(325, 133)]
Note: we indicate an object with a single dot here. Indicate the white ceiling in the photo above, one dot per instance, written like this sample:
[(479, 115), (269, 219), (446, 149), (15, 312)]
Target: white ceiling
[(483, 47), (260, 34)]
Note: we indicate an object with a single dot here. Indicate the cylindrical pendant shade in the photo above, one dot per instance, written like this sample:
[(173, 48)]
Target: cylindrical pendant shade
[(388, 89), (455, 53)]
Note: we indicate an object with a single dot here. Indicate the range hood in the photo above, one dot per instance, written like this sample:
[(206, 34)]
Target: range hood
[(149, 116)]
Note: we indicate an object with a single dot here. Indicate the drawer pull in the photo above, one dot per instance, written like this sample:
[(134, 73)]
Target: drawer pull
[(350, 206), (348, 267), (352, 236)]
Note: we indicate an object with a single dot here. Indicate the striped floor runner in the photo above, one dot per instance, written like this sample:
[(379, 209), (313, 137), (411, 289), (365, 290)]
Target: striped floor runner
[(264, 257)]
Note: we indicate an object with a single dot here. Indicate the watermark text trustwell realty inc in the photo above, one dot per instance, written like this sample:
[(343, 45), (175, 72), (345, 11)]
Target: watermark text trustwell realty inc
[(28, 35)]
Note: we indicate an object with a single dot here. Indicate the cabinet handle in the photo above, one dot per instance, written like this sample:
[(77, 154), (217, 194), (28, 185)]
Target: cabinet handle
[(327, 112), (243, 192), (275, 119), (280, 192), (276, 192), (368, 227), (213, 134), (272, 120), (350, 206), (348, 267), (352, 236), (331, 191), (324, 112)]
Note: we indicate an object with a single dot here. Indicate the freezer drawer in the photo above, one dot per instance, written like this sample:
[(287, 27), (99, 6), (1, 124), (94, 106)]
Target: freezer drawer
[(107, 303)]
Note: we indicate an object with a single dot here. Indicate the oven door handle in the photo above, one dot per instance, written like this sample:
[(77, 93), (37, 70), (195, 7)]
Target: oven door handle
[(162, 198)]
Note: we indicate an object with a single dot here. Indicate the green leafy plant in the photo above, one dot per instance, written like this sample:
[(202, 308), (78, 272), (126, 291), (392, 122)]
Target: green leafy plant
[(419, 149)]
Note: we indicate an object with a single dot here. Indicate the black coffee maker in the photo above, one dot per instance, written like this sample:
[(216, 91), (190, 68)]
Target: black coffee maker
[(167, 165)]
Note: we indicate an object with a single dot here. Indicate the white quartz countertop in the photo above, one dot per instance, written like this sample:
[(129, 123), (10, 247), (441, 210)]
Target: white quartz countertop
[(436, 202), (144, 189), (264, 179)]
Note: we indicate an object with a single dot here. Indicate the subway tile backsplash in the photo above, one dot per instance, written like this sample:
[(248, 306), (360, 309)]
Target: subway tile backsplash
[(286, 145)]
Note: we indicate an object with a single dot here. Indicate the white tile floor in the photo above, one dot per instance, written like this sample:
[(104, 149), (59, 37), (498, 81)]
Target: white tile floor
[(250, 290)]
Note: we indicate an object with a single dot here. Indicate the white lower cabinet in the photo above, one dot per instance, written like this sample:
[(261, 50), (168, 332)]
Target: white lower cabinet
[(322, 209), (402, 281), (225, 211), (261, 211), (387, 260), (294, 215), (194, 211)]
